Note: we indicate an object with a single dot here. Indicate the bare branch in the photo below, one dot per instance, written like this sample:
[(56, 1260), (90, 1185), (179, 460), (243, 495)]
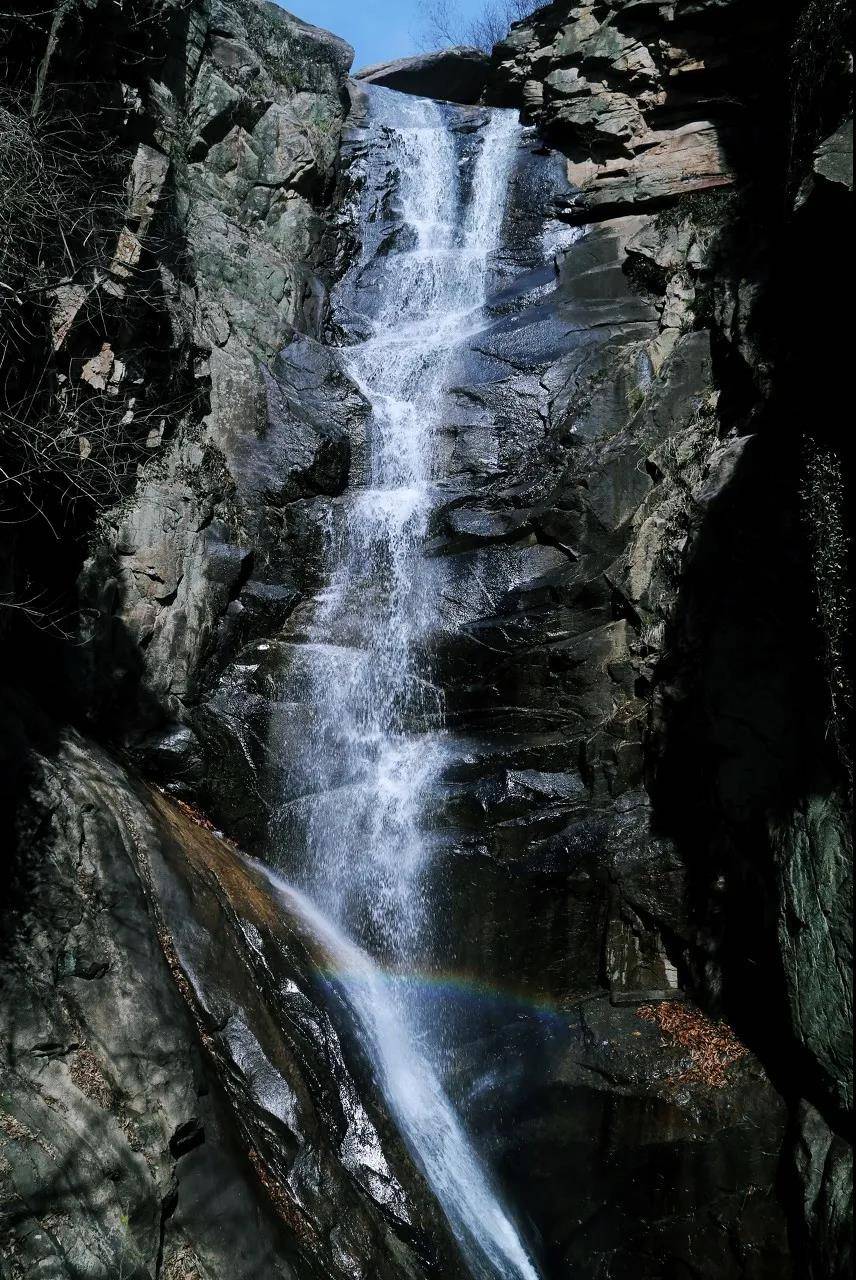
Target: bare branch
[(443, 25)]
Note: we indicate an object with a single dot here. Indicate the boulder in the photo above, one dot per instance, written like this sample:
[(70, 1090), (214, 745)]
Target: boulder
[(453, 75)]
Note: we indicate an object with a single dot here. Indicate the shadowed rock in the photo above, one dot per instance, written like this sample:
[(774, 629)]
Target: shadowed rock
[(171, 1072), (453, 75)]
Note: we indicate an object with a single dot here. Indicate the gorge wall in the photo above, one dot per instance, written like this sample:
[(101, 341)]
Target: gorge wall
[(747, 763), (638, 544)]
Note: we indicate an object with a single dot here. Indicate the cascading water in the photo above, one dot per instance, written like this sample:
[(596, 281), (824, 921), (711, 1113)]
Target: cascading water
[(374, 745), (375, 749)]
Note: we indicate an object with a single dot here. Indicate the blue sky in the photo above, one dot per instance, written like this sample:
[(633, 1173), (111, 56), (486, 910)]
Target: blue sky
[(378, 29)]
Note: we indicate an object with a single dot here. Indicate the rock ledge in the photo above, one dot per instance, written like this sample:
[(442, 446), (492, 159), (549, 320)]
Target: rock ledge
[(453, 75)]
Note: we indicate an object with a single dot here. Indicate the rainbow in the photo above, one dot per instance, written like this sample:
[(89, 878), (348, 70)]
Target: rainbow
[(459, 986)]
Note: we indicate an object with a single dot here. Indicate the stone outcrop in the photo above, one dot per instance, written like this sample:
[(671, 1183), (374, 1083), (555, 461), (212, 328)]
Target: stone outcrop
[(590, 436), (646, 100), (176, 1101), (257, 153), (146, 1131), (458, 74)]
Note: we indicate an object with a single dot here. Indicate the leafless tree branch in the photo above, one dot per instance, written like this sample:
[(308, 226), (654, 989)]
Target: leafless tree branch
[(442, 24)]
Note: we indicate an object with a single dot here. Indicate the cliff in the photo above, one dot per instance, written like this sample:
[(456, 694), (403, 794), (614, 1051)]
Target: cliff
[(707, 146)]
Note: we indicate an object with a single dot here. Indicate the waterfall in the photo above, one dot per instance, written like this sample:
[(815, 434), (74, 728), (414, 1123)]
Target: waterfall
[(374, 747)]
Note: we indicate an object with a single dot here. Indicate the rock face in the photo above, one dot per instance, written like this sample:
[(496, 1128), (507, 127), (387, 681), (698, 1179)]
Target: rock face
[(648, 101), (176, 1101), (452, 75), (148, 1131), (638, 544), (260, 132), (751, 813), (585, 450)]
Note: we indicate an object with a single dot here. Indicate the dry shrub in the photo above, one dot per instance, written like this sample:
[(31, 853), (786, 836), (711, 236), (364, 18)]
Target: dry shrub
[(63, 198)]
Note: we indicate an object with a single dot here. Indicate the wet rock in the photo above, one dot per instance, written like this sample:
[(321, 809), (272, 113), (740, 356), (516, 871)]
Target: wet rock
[(594, 1069), (612, 618), (298, 1105), (170, 753), (304, 446), (822, 1167), (637, 966), (269, 602), (153, 1103), (93, 1174)]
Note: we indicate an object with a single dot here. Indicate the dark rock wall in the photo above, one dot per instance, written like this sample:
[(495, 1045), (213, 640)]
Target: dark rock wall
[(224, 123), (118, 1155), (732, 580), (254, 152)]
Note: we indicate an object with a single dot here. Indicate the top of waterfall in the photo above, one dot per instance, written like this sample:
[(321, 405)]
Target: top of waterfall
[(450, 75)]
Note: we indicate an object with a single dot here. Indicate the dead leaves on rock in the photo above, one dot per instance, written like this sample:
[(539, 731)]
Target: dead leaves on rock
[(711, 1046)]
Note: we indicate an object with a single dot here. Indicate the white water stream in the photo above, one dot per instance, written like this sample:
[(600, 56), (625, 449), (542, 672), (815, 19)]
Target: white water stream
[(375, 747)]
